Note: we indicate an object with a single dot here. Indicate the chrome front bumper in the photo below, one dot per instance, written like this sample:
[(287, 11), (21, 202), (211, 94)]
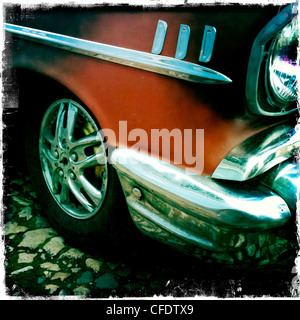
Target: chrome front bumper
[(231, 222)]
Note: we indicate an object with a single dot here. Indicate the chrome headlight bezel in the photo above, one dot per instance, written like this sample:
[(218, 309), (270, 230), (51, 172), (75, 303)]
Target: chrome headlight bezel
[(261, 94)]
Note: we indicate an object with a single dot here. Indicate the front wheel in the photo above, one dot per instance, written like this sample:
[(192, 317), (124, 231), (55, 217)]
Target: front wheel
[(79, 190)]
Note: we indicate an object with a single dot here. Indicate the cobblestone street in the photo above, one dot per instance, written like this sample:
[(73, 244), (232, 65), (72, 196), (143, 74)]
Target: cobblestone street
[(39, 263), (116, 128)]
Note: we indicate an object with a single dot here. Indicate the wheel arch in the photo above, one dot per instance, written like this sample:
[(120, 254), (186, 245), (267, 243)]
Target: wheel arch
[(30, 81), (20, 86), (31, 85)]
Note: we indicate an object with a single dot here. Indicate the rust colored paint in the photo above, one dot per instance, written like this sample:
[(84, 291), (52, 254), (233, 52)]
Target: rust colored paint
[(145, 100)]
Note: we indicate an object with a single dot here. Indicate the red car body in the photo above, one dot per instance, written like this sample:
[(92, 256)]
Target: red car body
[(149, 100)]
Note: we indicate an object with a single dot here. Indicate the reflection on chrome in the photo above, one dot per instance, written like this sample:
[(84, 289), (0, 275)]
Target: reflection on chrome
[(259, 153), (196, 213), (285, 181), (201, 197), (137, 59)]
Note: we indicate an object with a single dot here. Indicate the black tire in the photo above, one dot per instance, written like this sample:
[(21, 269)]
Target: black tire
[(104, 230)]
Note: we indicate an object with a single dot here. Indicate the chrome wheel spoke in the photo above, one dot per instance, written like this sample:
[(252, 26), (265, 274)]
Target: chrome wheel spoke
[(75, 189), (64, 194), (65, 124), (59, 130), (90, 189), (47, 154), (87, 141), (48, 136), (92, 161), (48, 158), (71, 120)]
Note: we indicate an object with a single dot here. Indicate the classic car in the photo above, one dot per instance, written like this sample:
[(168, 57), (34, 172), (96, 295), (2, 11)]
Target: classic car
[(180, 121)]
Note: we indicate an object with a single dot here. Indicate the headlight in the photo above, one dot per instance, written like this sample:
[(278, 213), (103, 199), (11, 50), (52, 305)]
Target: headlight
[(273, 69), (282, 67)]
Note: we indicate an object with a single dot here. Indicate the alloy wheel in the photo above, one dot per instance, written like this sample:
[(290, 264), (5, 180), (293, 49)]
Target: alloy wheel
[(73, 159)]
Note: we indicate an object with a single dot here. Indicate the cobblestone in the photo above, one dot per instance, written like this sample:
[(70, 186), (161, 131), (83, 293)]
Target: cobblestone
[(54, 246), (40, 262), (34, 238)]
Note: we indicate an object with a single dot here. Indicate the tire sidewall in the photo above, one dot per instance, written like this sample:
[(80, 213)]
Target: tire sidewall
[(105, 224)]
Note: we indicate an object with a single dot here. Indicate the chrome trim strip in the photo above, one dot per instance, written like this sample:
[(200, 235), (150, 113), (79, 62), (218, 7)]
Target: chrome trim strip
[(259, 153), (250, 206), (160, 35), (257, 56), (183, 41), (208, 42), (132, 58)]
